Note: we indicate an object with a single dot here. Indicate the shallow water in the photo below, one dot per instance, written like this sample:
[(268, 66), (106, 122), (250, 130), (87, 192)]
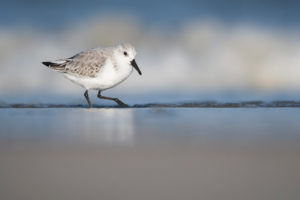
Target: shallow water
[(153, 152)]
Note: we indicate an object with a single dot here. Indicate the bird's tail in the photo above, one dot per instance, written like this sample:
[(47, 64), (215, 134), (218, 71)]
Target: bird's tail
[(56, 65)]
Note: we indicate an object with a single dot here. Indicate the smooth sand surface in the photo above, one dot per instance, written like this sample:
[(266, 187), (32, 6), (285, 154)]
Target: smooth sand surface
[(150, 153)]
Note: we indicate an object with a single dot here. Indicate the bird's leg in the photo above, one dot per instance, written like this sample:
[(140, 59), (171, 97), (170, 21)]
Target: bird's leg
[(86, 95), (118, 101)]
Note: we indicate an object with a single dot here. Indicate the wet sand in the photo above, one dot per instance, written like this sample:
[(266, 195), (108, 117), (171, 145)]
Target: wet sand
[(156, 152), (196, 104)]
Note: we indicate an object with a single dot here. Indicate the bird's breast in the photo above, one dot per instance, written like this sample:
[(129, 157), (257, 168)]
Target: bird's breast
[(111, 75)]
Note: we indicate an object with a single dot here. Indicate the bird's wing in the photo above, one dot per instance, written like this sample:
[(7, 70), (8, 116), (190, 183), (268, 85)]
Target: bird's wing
[(87, 63)]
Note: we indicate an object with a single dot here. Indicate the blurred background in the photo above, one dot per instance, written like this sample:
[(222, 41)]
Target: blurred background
[(187, 50)]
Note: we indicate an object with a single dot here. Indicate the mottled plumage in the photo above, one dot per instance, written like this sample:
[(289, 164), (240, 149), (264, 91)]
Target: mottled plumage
[(87, 63)]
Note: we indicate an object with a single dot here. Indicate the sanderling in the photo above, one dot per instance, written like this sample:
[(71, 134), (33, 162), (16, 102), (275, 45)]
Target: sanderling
[(98, 69)]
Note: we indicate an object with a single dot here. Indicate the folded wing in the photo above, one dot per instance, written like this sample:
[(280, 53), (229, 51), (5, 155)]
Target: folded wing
[(87, 63)]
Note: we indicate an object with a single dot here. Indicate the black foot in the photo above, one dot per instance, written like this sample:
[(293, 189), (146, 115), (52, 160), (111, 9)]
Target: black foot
[(118, 101)]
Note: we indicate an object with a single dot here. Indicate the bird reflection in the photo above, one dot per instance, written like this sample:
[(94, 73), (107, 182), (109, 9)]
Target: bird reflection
[(109, 126)]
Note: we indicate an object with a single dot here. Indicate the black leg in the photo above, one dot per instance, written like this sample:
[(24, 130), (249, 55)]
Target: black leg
[(86, 95), (118, 101)]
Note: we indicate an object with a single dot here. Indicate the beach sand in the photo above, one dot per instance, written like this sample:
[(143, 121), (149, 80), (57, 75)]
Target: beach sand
[(149, 153)]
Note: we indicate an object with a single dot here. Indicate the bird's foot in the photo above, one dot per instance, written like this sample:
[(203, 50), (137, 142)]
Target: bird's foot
[(118, 101)]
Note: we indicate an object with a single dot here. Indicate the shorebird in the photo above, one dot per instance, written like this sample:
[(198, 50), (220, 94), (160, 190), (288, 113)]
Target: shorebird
[(98, 69)]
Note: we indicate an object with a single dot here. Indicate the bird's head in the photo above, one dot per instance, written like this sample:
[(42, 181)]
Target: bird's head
[(126, 53)]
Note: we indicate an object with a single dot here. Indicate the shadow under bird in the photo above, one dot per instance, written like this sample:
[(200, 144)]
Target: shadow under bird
[(98, 69)]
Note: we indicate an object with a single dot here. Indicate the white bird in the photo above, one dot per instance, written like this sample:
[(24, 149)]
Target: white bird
[(98, 69)]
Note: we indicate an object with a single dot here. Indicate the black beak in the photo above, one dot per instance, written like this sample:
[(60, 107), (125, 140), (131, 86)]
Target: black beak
[(133, 63)]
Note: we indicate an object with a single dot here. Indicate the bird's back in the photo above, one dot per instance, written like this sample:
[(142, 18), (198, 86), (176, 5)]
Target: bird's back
[(87, 63)]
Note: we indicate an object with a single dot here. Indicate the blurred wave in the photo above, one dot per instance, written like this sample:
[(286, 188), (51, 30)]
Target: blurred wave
[(202, 54)]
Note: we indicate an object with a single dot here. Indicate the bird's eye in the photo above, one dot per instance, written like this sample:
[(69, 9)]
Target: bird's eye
[(125, 53)]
